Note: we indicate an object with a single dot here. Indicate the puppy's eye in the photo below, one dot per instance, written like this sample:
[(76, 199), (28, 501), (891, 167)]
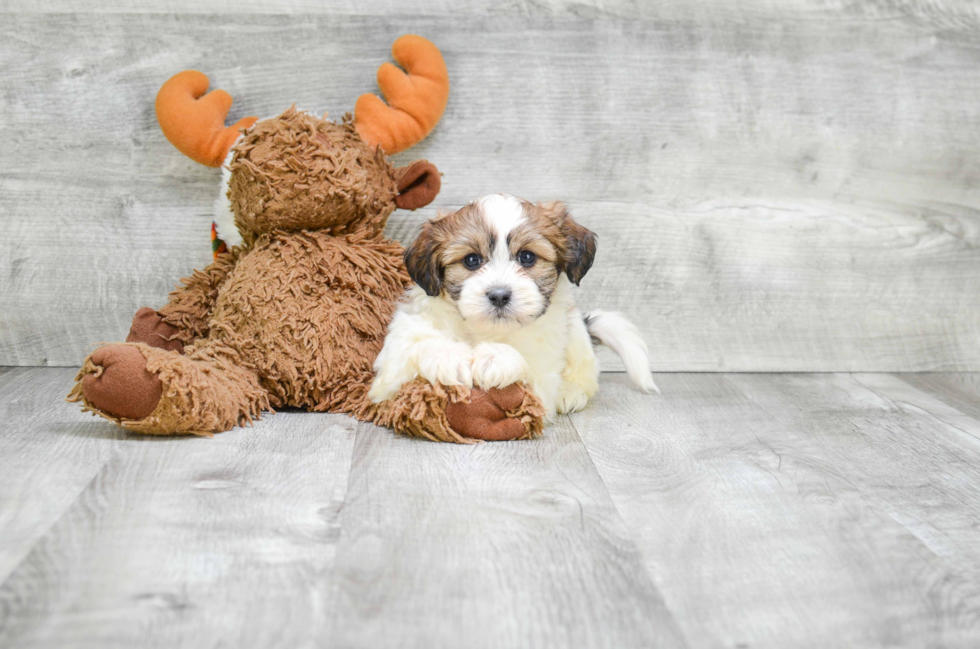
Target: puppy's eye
[(526, 258), (472, 261)]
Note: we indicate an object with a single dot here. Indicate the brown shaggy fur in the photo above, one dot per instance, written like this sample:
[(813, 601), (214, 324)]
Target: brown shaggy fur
[(299, 172), (443, 243), (575, 245), (297, 315)]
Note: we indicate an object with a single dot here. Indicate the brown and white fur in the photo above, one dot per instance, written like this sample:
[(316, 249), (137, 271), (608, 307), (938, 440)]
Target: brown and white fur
[(493, 306)]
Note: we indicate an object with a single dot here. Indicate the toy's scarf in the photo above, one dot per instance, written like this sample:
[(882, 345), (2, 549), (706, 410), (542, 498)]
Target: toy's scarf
[(217, 245)]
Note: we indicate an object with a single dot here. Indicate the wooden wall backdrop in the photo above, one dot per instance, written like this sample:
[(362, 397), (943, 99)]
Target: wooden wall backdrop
[(777, 185)]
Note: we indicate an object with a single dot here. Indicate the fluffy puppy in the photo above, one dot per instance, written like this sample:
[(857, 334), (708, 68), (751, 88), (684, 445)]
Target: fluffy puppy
[(494, 306)]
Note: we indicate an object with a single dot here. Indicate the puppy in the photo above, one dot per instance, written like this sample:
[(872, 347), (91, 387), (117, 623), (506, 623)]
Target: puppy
[(494, 306)]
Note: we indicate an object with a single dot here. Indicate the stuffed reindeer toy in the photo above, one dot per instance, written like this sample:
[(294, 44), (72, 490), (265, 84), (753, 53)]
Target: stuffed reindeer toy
[(296, 310)]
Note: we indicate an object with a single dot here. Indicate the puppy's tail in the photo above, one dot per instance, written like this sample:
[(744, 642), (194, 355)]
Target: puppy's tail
[(616, 332)]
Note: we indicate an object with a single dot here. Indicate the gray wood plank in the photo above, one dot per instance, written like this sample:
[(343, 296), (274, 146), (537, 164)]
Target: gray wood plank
[(766, 516), (950, 14), (961, 390), (794, 194), (734, 510), (913, 458), (49, 452), (189, 542), (498, 545), (759, 287), (904, 396)]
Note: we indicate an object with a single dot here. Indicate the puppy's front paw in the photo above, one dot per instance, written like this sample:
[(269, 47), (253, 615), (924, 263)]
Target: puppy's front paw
[(571, 399), (446, 362), (496, 365), (384, 386)]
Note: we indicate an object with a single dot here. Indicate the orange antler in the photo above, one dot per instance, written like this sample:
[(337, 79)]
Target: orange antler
[(415, 100), (195, 122)]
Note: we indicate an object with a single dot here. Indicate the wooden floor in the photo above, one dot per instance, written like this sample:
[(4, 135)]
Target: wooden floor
[(737, 510)]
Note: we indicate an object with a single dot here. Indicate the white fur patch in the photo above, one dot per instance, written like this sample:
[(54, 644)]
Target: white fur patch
[(224, 218), (497, 365), (615, 331), (415, 347), (503, 213)]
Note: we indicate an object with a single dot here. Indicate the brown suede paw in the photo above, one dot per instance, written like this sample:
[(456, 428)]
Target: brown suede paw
[(151, 329), (121, 386), (485, 416)]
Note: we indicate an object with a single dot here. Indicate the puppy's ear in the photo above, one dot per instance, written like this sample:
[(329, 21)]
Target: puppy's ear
[(422, 261), (576, 255)]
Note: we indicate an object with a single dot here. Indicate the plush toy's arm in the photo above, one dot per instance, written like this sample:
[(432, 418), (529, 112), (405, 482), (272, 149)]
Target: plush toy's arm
[(189, 307), (457, 414)]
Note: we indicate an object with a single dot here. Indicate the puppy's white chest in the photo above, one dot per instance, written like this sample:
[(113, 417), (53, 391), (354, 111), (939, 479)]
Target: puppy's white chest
[(543, 345), (542, 348)]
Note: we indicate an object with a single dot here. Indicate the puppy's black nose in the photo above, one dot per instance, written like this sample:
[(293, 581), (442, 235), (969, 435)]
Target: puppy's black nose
[(499, 297)]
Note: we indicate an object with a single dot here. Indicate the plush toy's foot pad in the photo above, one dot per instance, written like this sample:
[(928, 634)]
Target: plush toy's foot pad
[(120, 384), (150, 329), (454, 413), (485, 416)]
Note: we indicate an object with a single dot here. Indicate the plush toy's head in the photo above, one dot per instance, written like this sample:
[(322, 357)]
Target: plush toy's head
[(301, 172), (298, 171)]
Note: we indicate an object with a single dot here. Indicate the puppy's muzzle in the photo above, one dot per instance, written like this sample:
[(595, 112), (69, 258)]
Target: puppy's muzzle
[(499, 297)]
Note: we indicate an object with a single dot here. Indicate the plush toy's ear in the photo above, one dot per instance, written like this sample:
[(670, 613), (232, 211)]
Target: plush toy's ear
[(416, 100), (194, 122), (418, 185), (422, 260), (578, 252)]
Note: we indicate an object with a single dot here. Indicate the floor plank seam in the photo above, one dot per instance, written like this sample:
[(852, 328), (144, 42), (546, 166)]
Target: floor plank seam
[(872, 500), (56, 520), (904, 405), (632, 538)]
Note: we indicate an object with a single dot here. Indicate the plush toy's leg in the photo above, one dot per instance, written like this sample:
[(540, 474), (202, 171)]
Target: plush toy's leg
[(187, 314), (498, 414), (457, 414), (150, 328), (188, 309), (160, 392)]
